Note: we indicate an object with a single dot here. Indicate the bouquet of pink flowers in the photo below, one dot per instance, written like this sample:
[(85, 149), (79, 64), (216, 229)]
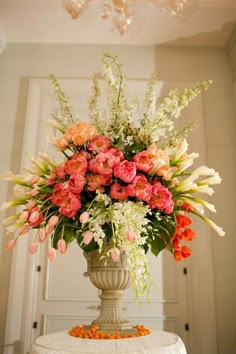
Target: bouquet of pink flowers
[(122, 185)]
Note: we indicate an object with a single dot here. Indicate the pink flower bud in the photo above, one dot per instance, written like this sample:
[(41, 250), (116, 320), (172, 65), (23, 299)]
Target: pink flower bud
[(34, 179), (49, 228), (31, 203), (24, 229), (61, 246), (34, 216), (34, 191), (52, 254), (130, 235), (33, 247), (84, 217), (11, 244), (53, 220), (88, 235), (115, 254), (42, 235), (24, 215)]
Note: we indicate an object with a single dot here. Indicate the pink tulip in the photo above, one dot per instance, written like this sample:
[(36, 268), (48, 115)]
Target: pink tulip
[(52, 254), (88, 236), (42, 235), (33, 247), (61, 246), (34, 191), (24, 215), (24, 229), (53, 220), (130, 235), (11, 244), (49, 228), (115, 254), (84, 217)]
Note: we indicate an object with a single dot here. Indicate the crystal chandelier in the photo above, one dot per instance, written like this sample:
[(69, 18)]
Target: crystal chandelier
[(121, 11)]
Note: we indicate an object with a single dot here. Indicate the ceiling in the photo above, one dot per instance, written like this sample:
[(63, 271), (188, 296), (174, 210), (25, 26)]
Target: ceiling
[(201, 23)]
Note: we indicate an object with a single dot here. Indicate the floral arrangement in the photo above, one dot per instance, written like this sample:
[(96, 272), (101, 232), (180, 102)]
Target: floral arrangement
[(123, 185)]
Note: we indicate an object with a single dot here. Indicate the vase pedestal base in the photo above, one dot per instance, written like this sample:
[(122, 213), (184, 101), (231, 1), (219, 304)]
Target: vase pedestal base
[(111, 316)]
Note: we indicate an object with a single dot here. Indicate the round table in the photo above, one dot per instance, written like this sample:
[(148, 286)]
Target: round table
[(157, 342)]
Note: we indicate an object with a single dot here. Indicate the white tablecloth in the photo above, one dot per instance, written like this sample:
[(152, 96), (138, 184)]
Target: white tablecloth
[(157, 342)]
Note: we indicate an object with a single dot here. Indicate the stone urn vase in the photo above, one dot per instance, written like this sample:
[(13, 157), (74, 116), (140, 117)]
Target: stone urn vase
[(112, 279)]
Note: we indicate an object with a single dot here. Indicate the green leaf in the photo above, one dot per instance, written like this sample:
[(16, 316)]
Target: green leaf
[(157, 245)]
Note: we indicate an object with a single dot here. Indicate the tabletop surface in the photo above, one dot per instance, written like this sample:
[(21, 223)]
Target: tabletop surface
[(158, 342)]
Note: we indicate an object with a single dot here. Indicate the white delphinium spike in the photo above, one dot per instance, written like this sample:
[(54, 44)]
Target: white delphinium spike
[(55, 125)]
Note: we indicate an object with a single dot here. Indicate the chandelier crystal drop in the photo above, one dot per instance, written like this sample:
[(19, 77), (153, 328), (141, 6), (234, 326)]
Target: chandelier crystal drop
[(120, 11)]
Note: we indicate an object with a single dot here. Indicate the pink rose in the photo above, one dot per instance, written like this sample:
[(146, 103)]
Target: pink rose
[(140, 188), (68, 202), (70, 212), (143, 162), (102, 164), (96, 182), (84, 217), (83, 153), (115, 254), (77, 164), (99, 144), (76, 183), (52, 254), (169, 208), (116, 155), (160, 196), (88, 236), (60, 171), (61, 246), (118, 192), (125, 170)]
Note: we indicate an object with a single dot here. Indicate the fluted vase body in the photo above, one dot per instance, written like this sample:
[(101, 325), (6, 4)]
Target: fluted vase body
[(112, 278)]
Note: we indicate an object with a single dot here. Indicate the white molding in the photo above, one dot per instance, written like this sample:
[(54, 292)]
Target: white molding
[(231, 42), (22, 279), (2, 43), (216, 3)]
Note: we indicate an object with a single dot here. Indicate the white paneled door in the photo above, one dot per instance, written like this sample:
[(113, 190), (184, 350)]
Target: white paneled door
[(57, 296)]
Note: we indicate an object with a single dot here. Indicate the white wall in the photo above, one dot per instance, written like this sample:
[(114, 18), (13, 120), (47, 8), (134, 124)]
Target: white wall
[(18, 62)]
